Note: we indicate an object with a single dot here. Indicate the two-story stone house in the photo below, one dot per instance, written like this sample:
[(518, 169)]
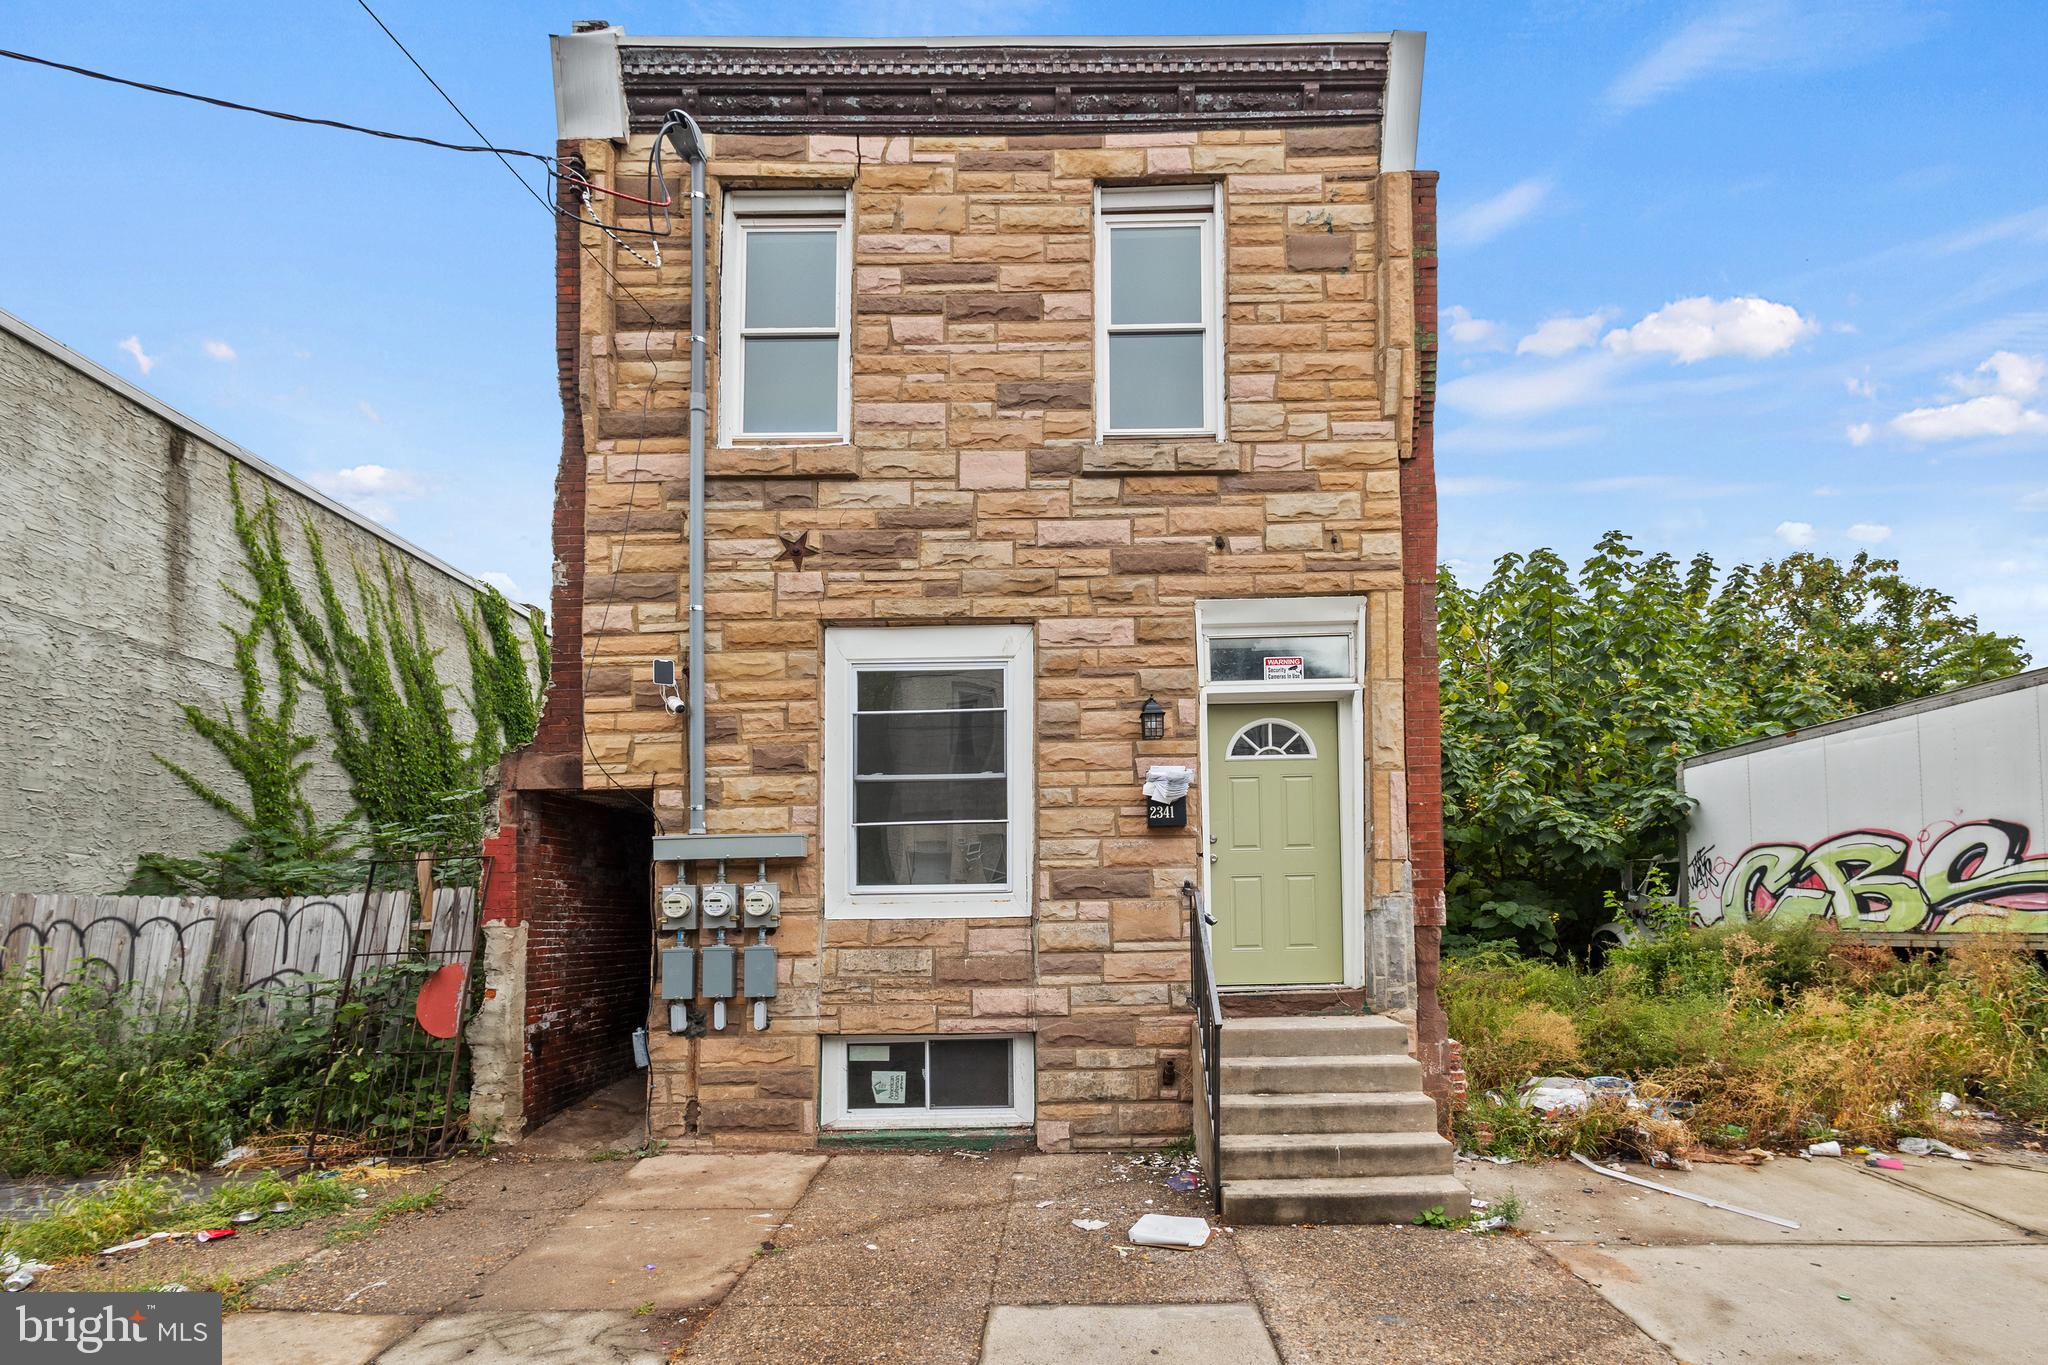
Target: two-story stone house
[(1065, 413)]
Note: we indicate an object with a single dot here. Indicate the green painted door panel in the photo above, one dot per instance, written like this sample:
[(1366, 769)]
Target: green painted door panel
[(1278, 879)]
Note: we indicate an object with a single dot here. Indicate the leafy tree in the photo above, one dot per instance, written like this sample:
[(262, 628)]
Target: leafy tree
[(1569, 701)]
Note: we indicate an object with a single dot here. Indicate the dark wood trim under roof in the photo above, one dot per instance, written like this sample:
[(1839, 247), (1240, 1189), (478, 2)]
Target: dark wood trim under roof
[(1005, 88)]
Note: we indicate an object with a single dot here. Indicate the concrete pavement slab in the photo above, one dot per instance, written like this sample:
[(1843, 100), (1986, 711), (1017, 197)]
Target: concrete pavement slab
[(1131, 1334), (899, 1334), (600, 1258), (714, 1180), (1341, 1295), (1047, 1260), (531, 1186), (1831, 1200), (309, 1338), (877, 1189), (926, 1258), (416, 1263), (1880, 1305), (544, 1338), (2012, 1194)]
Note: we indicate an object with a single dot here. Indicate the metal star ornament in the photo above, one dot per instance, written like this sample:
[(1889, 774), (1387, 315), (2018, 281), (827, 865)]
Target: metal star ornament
[(794, 548)]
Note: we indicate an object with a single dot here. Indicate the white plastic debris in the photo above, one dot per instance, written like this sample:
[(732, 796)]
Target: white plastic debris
[(137, 1244), (1949, 1103), (1824, 1149), (1089, 1224), (1493, 1224), (1919, 1146), (1617, 1174), (232, 1155), (1166, 1230), (1167, 781), (1549, 1095)]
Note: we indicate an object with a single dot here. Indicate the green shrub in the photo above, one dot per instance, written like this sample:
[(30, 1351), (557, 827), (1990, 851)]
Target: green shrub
[(1777, 1033)]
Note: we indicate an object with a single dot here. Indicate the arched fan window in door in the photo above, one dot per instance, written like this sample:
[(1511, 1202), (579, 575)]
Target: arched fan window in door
[(1271, 739)]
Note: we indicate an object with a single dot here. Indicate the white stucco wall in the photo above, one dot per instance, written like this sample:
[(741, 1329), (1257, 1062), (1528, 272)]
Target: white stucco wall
[(115, 539)]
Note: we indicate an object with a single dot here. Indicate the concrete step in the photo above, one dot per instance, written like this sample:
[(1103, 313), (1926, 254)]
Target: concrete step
[(1356, 1199), (1295, 1156), (1355, 1035), (1305, 1075), (1329, 1112)]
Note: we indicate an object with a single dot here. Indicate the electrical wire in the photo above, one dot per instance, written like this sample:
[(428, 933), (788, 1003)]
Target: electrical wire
[(633, 474), (218, 103)]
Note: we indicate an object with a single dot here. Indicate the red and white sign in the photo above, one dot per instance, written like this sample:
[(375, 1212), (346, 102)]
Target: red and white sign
[(1284, 668)]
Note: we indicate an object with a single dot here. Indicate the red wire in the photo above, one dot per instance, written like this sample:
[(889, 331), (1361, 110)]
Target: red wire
[(620, 194)]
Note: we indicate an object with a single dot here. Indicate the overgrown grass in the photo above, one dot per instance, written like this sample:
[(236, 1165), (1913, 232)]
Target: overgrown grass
[(91, 1079), (1770, 1035), (83, 1223)]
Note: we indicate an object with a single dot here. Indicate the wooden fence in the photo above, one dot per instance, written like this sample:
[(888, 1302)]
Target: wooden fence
[(175, 951)]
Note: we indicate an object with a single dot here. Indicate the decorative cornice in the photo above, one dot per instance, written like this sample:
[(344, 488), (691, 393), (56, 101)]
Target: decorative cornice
[(1009, 88)]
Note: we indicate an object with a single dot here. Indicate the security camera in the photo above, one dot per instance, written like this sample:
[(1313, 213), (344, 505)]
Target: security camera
[(674, 702)]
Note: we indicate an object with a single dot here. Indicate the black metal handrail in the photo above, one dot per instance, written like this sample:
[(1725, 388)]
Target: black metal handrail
[(1208, 1004)]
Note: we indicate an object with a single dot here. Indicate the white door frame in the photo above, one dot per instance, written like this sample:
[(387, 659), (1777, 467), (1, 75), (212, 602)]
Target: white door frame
[(1254, 616)]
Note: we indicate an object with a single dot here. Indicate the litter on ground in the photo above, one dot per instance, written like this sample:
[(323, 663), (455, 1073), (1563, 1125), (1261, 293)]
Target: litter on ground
[(1166, 1230), (1089, 1224), (1685, 1194)]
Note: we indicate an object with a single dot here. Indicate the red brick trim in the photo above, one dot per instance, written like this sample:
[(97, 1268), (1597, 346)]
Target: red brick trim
[(561, 723), (1420, 688)]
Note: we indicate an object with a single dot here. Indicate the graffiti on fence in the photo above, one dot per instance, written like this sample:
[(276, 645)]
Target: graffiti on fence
[(1979, 877)]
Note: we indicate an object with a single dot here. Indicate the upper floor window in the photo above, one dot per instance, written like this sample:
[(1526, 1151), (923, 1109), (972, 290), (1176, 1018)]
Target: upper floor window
[(786, 281), (1158, 344)]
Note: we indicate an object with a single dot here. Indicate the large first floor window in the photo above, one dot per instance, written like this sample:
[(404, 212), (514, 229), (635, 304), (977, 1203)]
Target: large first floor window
[(928, 771), (901, 1081)]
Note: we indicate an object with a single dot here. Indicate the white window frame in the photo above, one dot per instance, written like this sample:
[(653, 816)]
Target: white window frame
[(1162, 206), (747, 212), (850, 648), (833, 1111)]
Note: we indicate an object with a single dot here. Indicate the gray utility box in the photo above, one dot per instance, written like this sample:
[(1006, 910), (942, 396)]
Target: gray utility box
[(678, 974), (759, 963), (718, 971)]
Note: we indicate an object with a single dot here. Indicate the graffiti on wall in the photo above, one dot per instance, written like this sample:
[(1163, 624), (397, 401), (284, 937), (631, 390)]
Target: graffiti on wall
[(1979, 877)]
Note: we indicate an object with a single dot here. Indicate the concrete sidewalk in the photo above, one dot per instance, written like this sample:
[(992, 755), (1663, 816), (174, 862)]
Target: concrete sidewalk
[(929, 1258), (1942, 1261)]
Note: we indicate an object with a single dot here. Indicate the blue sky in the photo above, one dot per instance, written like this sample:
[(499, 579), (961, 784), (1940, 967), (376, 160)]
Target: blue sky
[(1742, 277)]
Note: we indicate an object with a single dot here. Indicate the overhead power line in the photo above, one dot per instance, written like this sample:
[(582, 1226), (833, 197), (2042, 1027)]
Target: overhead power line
[(500, 152)]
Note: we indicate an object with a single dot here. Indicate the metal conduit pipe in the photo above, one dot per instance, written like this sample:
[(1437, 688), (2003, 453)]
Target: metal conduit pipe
[(694, 152)]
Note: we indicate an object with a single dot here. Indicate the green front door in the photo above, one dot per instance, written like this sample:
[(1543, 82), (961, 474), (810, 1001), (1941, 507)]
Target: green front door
[(1276, 880)]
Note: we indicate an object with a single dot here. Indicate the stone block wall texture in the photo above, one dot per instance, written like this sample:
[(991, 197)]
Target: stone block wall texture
[(116, 557), (974, 489)]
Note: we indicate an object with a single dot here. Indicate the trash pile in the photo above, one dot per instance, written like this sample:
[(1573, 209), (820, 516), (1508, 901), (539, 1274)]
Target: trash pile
[(17, 1274)]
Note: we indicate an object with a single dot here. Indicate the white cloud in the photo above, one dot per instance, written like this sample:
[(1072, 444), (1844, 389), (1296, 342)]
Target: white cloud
[(1672, 486), (1512, 440), (1516, 391), (1476, 334), (1701, 328), (1478, 485), (370, 488), (1489, 218), (504, 584), (1765, 35), (1563, 335), (1859, 433), (1795, 532), (1862, 388), (143, 361), (1869, 533), (2000, 387), (1972, 419), (363, 406), (219, 350)]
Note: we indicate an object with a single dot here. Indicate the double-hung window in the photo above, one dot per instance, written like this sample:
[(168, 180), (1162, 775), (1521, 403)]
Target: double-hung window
[(928, 797), (785, 290), (1158, 345)]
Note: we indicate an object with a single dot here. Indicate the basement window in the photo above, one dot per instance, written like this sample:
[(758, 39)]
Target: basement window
[(903, 1081), (785, 306), (1158, 345)]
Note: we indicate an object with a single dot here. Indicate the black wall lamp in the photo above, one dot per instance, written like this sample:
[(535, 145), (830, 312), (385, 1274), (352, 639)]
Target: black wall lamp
[(1152, 720)]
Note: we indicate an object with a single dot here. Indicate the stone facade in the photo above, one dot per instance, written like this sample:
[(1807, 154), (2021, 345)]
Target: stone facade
[(974, 489)]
